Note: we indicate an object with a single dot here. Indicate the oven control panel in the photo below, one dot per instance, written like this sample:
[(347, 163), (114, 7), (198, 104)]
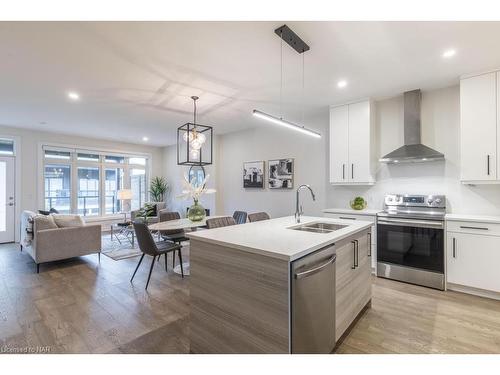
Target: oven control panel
[(406, 200)]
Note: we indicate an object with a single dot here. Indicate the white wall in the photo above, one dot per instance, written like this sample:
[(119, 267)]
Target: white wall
[(29, 157), (440, 130)]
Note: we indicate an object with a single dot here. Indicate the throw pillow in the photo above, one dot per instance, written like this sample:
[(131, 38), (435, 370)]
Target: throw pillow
[(68, 221), (42, 222), (149, 210)]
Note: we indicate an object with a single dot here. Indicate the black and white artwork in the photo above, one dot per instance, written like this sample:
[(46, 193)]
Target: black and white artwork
[(253, 174), (280, 174)]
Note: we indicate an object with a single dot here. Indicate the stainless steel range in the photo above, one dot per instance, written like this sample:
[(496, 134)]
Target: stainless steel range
[(410, 239)]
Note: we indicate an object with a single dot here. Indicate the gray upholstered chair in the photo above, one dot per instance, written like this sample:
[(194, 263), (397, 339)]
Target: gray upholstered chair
[(240, 217), (150, 247), (258, 216), (176, 235), (218, 222)]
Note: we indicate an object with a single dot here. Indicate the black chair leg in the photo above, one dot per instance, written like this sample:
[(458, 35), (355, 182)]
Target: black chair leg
[(166, 262), (21, 248), (136, 268), (150, 270), (180, 260), (173, 260), (38, 268), (99, 257)]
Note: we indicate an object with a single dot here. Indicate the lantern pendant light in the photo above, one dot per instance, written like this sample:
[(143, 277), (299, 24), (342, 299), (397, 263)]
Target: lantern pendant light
[(194, 142)]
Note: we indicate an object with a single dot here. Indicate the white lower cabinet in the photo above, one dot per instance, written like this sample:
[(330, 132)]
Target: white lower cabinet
[(473, 259)]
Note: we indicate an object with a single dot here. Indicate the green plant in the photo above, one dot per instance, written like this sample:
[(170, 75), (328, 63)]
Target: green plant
[(358, 203), (158, 188)]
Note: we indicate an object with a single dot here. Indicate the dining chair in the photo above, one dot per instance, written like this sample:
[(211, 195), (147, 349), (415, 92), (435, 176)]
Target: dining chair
[(176, 235), (258, 216), (148, 246), (240, 217), (218, 222)]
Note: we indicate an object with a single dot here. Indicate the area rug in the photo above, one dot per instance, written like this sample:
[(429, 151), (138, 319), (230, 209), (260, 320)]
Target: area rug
[(116, 251)]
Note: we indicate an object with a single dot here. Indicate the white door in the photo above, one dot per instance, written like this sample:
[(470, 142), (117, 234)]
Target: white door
[(339, 142), (359, 142), (7, 199), (478, 125), (473, 260)]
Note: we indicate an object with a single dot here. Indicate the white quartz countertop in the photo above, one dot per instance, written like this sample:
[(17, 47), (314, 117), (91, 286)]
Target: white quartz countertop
[(350, 211), (274, 238), (473, 218)]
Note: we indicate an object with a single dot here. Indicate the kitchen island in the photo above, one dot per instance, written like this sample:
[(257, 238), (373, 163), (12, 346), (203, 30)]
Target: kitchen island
[(244, 297)]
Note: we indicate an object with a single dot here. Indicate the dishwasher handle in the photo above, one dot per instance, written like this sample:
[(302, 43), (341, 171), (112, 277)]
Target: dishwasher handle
[(312, 271)]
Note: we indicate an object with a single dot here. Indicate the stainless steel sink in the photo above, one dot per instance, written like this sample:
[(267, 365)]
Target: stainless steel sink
[(319, 227)]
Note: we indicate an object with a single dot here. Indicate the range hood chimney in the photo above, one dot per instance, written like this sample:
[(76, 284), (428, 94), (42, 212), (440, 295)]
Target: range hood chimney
[(413, 150)]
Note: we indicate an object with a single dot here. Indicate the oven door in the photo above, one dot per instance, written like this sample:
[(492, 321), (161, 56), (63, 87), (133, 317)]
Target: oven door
[(412, 243)]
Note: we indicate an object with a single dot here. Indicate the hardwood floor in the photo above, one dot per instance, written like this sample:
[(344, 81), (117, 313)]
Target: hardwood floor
[(79, 306)]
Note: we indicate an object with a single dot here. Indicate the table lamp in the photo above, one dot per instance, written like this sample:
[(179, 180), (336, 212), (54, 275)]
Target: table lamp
[(124, 195)]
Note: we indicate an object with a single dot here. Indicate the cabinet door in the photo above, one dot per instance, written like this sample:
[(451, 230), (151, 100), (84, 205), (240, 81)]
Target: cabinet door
[(359, 143), (362, 287), (473, 260), (339, 163), (478, 128), (343, 288)]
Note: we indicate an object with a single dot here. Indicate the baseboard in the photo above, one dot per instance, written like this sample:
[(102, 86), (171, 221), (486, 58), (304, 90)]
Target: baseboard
[(474, 291)]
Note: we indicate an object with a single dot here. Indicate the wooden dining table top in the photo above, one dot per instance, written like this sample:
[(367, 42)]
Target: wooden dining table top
[(180, 224)]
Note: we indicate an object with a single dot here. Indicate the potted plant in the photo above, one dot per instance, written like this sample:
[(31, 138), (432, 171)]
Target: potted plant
[(194, 191), (157, 189)]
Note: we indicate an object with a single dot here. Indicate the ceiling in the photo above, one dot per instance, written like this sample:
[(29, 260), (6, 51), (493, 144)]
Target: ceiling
[(135, 79)]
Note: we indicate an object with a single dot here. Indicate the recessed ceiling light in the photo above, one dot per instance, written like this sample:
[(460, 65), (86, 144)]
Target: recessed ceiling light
[(73, 95), (449, 53), (145, 139), (342, 83)]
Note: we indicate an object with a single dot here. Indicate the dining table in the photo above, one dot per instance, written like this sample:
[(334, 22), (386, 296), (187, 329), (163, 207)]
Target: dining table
[(180, 224)]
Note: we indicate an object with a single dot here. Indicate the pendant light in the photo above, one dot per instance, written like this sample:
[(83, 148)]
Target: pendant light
[(194, 142), (286, 34)]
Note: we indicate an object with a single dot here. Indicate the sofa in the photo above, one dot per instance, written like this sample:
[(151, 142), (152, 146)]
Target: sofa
[(151, 219), (47, 238)]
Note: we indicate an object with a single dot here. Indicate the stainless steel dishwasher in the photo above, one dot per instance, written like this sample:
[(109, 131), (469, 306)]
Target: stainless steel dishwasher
[(313, 302)]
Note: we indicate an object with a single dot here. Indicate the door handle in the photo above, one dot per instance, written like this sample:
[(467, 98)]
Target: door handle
[(369, 235), (454, 247), (312, 271), (353, 254), (357, 253)]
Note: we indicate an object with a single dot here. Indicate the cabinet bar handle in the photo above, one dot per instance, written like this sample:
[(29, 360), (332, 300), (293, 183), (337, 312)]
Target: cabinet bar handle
[(353, 254), (369, 234), (454, 247), (343, 171), (479, 228), (488, 163), (347, 218), (357, 253), (352, 171)]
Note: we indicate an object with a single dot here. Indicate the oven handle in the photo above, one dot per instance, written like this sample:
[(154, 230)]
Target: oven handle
[(411, 223)]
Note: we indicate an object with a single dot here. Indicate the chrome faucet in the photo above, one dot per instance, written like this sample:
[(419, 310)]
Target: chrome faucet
[(298, 206)]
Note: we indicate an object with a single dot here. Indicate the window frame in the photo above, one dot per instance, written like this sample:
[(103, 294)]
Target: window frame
[(101, 164)]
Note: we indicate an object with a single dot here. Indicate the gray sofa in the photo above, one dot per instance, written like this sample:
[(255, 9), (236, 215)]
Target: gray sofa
[(151, 219), (68, 238)]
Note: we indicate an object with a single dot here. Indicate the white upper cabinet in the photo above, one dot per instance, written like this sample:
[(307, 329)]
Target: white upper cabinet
[(351, 150), (478, 128)]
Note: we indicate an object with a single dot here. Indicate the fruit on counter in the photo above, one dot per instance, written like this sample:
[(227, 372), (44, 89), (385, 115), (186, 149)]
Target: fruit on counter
[(358, 203)]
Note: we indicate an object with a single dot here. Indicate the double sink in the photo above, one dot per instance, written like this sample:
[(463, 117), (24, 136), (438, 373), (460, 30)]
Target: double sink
[(319, 227)]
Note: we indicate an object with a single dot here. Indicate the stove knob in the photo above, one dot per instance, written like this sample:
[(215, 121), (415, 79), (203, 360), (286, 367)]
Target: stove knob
[(438, 200), (429, 201), (389, 199)]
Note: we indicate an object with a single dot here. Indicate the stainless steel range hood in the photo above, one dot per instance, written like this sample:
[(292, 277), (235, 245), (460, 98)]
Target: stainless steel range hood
[(413, 150)]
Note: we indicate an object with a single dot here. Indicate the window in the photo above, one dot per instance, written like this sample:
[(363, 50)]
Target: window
[(6, 146), (88, 157), (88, 191), (113, 183), (87, 182), (138, 186), (63, 155), (58, 187)]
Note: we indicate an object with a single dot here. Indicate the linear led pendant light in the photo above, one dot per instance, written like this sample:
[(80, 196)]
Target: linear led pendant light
[(287, 35)]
